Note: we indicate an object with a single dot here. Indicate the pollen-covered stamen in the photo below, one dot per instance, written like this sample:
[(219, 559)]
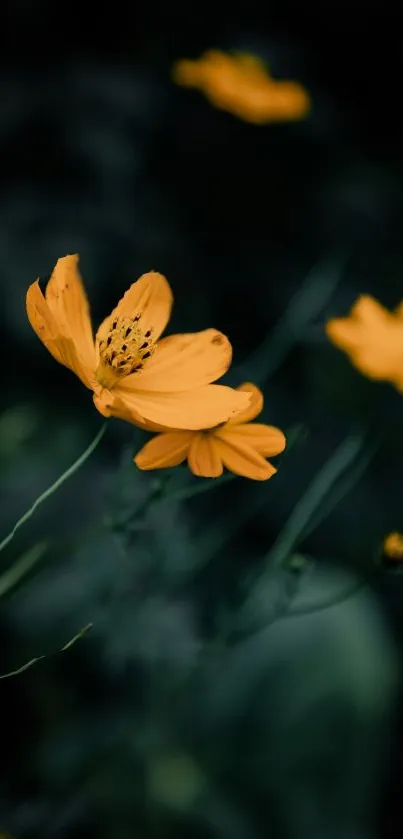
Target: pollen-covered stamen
[(124, 350)]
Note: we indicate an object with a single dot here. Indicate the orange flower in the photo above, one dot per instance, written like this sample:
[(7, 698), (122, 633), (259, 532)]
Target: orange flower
[(239, 444), (132, 374), (242, 85), (393, 545), (372, 337)]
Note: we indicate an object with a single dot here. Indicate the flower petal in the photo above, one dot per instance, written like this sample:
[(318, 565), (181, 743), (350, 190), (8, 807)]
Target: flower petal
[(186, 73), (212, 71), (164, 450), (110, 405), (183, 362), (393, 545), (241, 84), (369, 311), (203, 407), (43, 322), (67, 300), (151, 298), (255, 406), (343, 333), (265, 439), (147, 425), (243, 460), (48, 331), (203, 458), (373, 339), (368, 319)]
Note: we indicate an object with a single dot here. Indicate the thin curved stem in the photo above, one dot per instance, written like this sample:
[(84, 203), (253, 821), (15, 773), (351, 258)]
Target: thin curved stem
[(58, 483), (63, 649)]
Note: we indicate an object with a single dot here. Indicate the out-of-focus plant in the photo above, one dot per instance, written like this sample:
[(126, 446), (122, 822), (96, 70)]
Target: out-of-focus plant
[(393, 546), (241, 84), (372, 337)]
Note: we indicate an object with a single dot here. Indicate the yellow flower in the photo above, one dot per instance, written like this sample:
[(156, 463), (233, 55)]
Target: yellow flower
[(133, 375), (372, 337), (239, 445), (393, 545), (242, 85)]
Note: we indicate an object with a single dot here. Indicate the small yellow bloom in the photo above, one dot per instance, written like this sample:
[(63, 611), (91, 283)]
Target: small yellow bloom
[(239, 445), (133, 375), (393, 545), (242, 85), (372, 337)]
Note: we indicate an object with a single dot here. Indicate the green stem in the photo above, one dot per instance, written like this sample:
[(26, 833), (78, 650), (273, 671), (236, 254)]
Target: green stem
[(63, 649), (48, 492), (345, 455), (298, 523)]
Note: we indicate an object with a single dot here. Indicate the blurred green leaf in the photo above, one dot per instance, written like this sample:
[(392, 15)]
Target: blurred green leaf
[(305, 305), (22, 566), (317, 491), (343, 487), (218, 535), (303, 514)]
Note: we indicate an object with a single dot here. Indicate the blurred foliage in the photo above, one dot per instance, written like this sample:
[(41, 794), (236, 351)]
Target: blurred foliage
[(241, 677)]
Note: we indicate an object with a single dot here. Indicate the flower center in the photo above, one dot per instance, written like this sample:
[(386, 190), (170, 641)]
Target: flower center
[(123, 351)]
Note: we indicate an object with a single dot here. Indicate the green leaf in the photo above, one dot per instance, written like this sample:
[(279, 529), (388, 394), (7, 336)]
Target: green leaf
[(304, 307), (313, 506), (22, 566)]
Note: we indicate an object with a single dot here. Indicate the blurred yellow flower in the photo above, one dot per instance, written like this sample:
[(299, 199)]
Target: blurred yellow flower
[(393, 545), (132, 374), (239, 445), (372, 337), (241, 84)]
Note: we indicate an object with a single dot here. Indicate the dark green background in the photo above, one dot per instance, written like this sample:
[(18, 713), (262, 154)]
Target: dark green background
[(215, 696)]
